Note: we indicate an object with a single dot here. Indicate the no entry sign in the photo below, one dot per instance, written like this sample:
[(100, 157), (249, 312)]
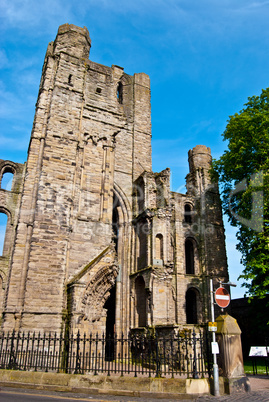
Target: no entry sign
[(222, 297)]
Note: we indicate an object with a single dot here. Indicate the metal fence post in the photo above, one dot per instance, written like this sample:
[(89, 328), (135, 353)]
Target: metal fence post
[(194, 372), (12, 357), (77, 366)]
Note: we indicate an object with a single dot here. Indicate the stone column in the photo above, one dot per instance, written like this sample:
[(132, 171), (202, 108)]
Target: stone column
[(230, 358)]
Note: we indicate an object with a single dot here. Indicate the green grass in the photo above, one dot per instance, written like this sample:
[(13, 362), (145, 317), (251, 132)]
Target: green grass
[(260, 364)]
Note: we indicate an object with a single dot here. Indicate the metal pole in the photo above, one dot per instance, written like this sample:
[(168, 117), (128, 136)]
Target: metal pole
[(215, 365)]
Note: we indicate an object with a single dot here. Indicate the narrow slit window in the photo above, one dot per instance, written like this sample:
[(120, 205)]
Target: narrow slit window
[(159, 246), (120, 92), (189, 257), (187, 213)]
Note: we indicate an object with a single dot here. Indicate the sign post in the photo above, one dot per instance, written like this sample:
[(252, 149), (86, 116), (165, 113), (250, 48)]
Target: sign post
[(213, 345)]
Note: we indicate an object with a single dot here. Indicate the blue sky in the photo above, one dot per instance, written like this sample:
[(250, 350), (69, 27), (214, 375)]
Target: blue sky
[(204, 59)]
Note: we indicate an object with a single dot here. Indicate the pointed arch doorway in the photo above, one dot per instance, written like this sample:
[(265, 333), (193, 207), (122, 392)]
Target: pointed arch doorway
[(120, 296)]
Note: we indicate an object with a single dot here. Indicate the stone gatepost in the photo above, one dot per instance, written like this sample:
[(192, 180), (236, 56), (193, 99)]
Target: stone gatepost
[(230, 358)]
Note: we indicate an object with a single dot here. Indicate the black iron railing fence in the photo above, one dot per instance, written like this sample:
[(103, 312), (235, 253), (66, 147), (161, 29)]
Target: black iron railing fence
[(179, 355)]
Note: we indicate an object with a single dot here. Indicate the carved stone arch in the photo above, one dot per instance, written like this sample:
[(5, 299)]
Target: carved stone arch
[(124, 203), (8, 166), (8, 213), (122, 216), (97, 292), (126, 79), (120, 220)]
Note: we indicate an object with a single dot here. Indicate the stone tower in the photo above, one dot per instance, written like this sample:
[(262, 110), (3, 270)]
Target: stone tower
[(95, 240)]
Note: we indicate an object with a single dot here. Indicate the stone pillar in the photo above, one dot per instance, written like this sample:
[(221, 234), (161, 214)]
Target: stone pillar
[(230, 358)]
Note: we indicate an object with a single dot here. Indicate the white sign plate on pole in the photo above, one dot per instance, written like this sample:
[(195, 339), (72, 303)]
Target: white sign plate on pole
[(215, 348)]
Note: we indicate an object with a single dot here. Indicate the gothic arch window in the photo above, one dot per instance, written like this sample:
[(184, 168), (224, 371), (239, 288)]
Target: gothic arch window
[(187, 213), (159, 246), (7, 178), (189, 257), (191, 306), (120, 92), (142, 231), (3, 227), (120, 216), (141, 301)]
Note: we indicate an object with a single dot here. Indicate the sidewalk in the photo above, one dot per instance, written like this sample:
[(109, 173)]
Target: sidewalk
[(259, 382), (259, 392), (55, 383)]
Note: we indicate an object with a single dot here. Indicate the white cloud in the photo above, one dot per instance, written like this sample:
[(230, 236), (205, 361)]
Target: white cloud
[(27, 14), (257, 4)]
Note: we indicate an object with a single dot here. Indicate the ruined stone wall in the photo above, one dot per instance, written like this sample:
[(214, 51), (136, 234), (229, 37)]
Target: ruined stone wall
[(92, 222), (10, 206), (86, 140)]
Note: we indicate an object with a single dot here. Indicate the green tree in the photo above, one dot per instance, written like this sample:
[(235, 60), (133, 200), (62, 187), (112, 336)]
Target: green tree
[(243, 175)]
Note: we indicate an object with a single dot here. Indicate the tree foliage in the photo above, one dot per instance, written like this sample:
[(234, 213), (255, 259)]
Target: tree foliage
[(243, 174)]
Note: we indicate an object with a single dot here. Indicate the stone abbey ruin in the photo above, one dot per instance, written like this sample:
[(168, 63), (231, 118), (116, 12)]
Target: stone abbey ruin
[(95, 240)]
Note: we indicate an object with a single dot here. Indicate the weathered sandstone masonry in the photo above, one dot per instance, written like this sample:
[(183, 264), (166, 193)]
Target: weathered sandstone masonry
[(95, 240)]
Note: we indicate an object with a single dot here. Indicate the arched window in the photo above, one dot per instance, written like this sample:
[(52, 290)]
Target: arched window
[(189, 257), (3, 226), (141, 301), (159, 246), (7, 178), (191, 307), (142, 230), (120, 92), (187, 213)]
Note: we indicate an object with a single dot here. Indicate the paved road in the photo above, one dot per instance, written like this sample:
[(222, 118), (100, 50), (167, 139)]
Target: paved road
[(22, 395), (259, 385)]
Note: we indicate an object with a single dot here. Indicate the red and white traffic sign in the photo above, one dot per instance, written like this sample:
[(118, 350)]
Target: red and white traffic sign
[(222, 297)]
